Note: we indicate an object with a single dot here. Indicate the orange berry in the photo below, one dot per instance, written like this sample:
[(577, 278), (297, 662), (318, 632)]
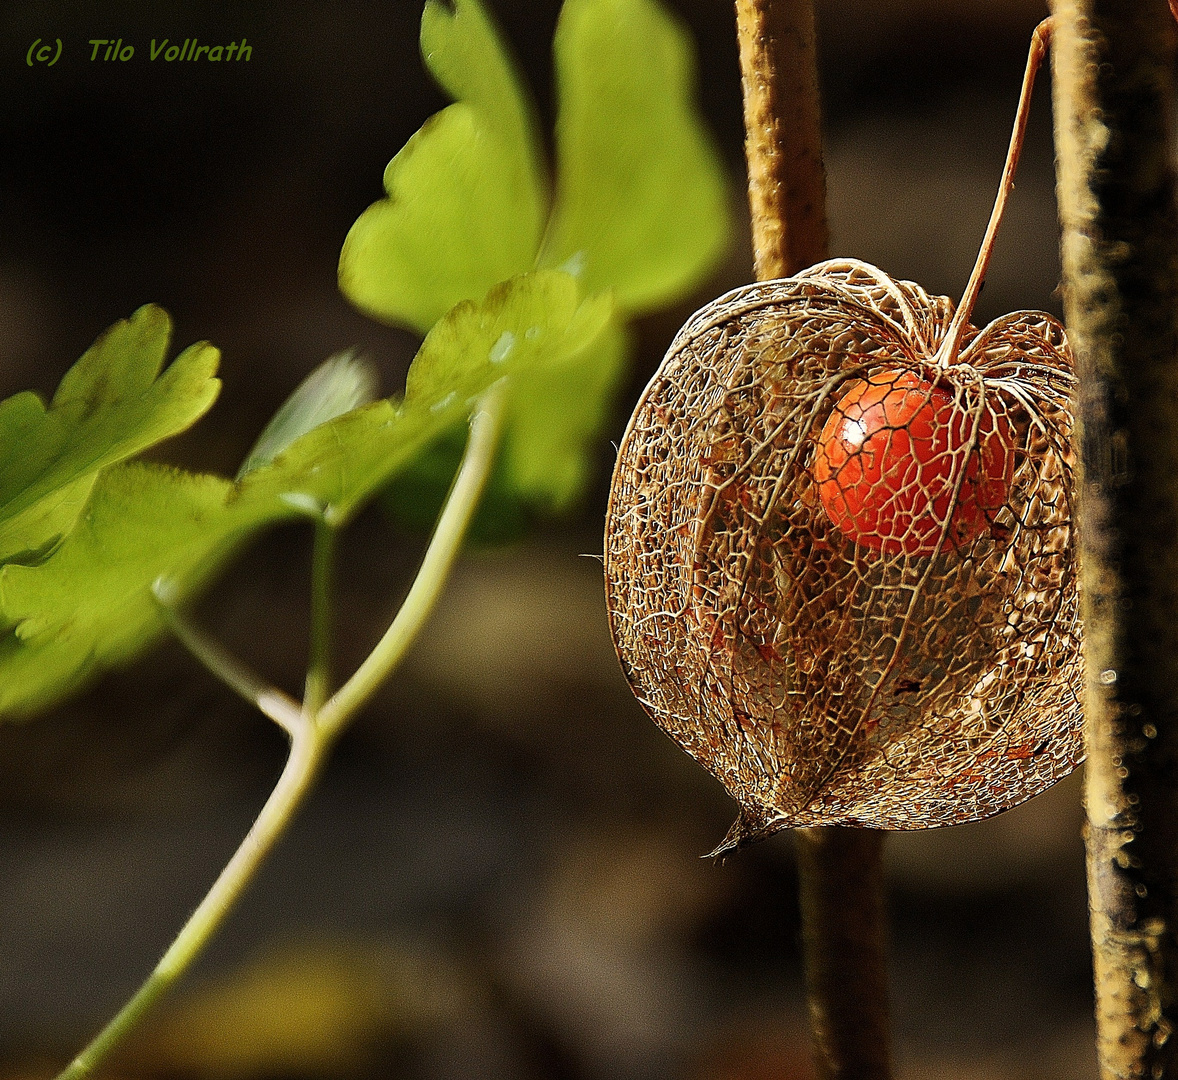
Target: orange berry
[(889, 457)]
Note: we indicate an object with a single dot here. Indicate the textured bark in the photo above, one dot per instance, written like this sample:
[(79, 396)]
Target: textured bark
[(1114, 93), (841, 870), (783, 140)]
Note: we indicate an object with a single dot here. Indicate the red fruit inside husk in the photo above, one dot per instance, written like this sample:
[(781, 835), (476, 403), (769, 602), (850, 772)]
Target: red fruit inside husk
[(889, 458)]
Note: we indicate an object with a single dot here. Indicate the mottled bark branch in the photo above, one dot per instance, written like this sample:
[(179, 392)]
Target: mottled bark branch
[(1114, 93), (841, 870), (783, 140)]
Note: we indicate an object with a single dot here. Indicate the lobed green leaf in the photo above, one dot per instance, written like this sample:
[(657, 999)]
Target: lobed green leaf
[(463, 51), (112, 404), (90, 605), (641, 204), (640, 209), (466, 195)]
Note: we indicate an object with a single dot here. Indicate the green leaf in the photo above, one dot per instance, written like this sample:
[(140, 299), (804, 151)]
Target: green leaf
[(462, 49), (466, 195), (640, 210), (340, 384), (640, 196), (554, 410), (112, 404), (553, 414), (90, 605), (414, 496), (529, 324)]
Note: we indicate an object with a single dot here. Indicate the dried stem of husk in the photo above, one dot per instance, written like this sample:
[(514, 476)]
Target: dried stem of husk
[(1114, 94), (840, 869)]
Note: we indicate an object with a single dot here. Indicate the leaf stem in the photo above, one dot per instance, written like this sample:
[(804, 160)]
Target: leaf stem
[(318, 684), (431, 576), (306, 753), (269, 700)]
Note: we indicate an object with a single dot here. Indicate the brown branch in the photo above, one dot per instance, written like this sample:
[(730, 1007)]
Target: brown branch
[(841, 870), (1114, 93), (844, 926), (783, 143)]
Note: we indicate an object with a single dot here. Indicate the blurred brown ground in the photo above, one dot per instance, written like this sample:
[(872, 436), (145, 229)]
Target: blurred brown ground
[(498, 876)]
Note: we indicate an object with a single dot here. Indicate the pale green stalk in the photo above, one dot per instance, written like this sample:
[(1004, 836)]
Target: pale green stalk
[(311, 729), (318, 684), (306, 753), (435, 568), (271, 702)]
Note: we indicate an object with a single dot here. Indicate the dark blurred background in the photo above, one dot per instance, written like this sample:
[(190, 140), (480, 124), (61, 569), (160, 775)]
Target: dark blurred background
[(498, 876)]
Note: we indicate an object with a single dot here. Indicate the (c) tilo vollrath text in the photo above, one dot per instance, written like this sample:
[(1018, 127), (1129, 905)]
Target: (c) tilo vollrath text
[(113, 49)]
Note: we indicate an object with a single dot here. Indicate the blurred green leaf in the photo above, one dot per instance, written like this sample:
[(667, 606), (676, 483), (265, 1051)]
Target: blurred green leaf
[(640, 209), (415, 495), (340, 384), (553, 413), (463, 51), (531, 323), (89, 604), (112, 404), (640, 196), (466, 195)]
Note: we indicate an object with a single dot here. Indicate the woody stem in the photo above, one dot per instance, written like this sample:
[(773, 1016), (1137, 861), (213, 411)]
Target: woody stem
[(840, 869)]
